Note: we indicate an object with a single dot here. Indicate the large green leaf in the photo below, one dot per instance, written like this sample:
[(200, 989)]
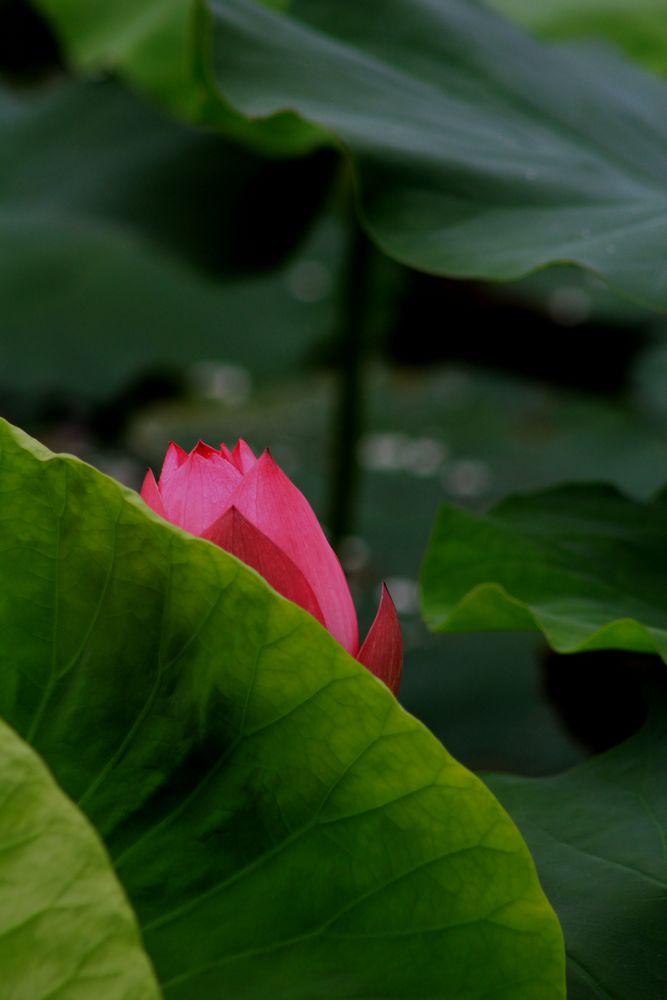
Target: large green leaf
[(125, 231), (639, 28), (480, 150), (66, 929), (598, 834), (95, 152), (582, 563), (281, 825), (157, 45)]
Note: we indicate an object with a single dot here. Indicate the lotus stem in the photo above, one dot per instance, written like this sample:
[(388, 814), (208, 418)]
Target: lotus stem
[(349, 404)]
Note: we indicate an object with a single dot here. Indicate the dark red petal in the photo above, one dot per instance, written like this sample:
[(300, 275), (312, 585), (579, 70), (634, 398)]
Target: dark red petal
[(235, 534), (270, 501), (382, 651), (150, 494), (243, 456), (205, 450)]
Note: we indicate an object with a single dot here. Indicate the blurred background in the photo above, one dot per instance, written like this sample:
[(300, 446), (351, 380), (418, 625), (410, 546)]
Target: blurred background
[(158, 283)]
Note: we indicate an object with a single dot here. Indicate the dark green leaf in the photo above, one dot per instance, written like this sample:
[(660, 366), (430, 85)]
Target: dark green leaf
[(582, 563), (281, 825), (95, 152), (598, 834), (66, 929), (125, 230), (480, 150)]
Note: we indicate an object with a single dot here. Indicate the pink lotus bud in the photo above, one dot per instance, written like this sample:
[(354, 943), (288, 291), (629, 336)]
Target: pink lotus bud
[(249, 507)]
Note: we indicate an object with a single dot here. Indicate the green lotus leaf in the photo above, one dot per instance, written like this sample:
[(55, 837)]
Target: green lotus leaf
[(281, 825), (479, 150), (66, 929), (598, 835), (581, 563), (127, 228)]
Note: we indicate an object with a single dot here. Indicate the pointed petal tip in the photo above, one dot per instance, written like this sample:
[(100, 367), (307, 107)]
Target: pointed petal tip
[(268, 468), (176, 453), (150, 494), (203, 449), (382, 651), (149, 484), (243, 456), (174, 458)]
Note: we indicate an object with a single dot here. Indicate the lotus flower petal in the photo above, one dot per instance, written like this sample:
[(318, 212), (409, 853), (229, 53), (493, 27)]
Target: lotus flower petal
[(243, 456), (270, 501), (206, 451), (173, 460), (235, 534), (382, 651), (151, 494), (195, 489)]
